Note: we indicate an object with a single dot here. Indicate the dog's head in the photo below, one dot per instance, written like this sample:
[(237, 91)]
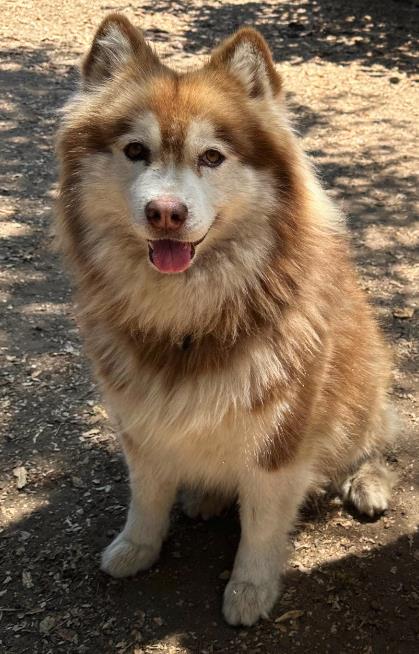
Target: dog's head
[(181, 162)]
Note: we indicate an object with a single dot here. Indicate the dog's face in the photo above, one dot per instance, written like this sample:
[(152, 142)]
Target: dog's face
[(181, 161), (180, 173)]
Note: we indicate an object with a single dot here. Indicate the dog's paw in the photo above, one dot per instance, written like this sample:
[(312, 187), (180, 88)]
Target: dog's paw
[(369, 489), (368, 500), (196, 504), (244, 602), (123, 558)]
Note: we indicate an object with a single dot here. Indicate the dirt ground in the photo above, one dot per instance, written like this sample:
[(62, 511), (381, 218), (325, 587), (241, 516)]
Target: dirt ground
[(352, 585)]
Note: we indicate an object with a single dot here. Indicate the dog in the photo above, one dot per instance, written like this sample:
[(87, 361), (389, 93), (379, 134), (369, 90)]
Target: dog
[(218, 302)]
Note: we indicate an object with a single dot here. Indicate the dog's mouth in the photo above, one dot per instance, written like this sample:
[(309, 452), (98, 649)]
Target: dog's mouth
[(172, 256)]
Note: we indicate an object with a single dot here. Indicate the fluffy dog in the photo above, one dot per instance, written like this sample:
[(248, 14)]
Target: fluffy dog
[(218, 302)]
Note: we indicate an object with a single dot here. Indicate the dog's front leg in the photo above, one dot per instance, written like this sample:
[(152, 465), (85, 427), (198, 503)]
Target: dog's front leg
[(152, 495), (269, 503)]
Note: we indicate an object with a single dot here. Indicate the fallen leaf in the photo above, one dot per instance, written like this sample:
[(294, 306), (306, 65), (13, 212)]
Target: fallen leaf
[(46, 625), (290, 615), (403, 313), (27, 579), (343, 523), (67, 634)]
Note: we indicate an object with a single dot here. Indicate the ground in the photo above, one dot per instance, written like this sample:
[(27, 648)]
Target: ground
[(352, 585)]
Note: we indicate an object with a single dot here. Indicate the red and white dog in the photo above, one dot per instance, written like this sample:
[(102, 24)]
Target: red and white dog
[(218, 302)]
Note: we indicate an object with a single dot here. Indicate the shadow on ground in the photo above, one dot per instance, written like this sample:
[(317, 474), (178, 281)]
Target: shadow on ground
[(178, 602), (378, 32)]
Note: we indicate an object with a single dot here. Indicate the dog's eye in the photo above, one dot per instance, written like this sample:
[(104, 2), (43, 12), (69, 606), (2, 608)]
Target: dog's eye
[(137, 151), (211, 158)]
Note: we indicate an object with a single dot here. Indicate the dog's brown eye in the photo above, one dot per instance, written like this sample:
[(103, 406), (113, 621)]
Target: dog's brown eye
[(211, 158), (137, 151)]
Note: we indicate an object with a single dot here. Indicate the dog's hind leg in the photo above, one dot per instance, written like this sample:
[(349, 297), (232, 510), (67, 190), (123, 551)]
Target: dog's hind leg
[(367, 482), (369, 487)]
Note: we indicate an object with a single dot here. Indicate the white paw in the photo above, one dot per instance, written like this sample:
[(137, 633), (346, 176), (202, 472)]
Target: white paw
[(371, 501), (369, 498), (123, 558), (244, 602)]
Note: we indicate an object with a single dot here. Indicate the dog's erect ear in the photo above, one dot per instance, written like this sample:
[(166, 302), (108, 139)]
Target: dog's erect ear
[(247, 56), (116, 42)]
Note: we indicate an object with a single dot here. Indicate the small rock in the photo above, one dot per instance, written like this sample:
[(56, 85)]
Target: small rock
[(21, 476)]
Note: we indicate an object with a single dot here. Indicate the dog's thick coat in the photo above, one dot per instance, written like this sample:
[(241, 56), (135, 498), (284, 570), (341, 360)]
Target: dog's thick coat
[(256, 372)]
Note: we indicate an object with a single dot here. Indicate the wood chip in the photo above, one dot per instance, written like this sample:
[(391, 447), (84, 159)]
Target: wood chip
[(403, 313), (27, 579), (21, 476), (46, 625), (290, 615)]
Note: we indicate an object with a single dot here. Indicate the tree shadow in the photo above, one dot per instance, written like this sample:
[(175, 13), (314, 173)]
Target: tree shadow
[(40, 337), (382, 32), (369, 598)]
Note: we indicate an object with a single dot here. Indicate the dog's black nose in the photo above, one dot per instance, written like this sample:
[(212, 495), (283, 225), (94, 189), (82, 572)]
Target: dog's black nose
[(166, 214)]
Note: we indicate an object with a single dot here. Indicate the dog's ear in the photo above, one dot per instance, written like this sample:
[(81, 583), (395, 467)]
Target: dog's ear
[(246, 55), (116, 42)]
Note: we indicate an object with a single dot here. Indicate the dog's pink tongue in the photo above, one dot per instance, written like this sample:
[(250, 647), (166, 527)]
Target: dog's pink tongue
[(171, 256)]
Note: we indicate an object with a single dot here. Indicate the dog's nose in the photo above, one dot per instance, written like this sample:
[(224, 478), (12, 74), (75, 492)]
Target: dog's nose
[(166, 213)]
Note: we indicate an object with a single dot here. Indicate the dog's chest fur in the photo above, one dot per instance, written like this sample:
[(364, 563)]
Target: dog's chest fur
[(196, 404)]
